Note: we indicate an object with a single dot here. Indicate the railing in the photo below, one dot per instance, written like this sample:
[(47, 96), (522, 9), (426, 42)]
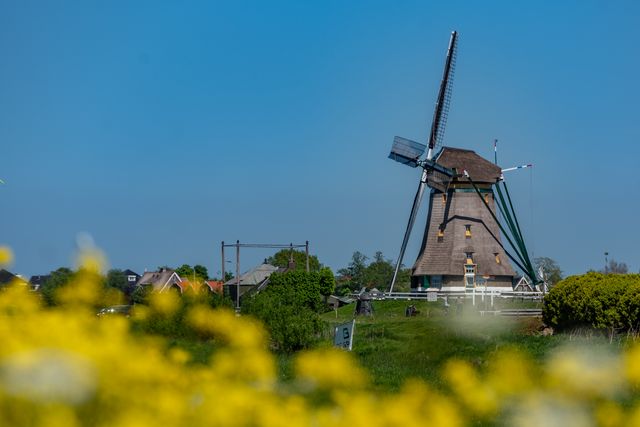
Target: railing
[(481, 292), (513, 312)]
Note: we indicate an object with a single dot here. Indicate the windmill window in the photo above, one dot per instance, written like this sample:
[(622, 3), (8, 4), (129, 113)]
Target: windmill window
[(486, 197), (497, 258), (469, 256), (440, 234), (444, 199), (467, 230)]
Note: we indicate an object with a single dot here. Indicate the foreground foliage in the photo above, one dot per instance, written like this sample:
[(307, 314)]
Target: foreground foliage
[(64, 366)]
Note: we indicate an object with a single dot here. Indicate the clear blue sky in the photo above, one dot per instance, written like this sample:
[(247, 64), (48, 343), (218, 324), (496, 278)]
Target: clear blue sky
[(162, 128)]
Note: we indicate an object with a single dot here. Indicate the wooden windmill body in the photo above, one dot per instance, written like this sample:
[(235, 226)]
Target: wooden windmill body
[(462, 245)]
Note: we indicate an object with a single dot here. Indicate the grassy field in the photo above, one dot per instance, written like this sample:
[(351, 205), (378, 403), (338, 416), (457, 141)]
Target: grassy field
[(393, 347)]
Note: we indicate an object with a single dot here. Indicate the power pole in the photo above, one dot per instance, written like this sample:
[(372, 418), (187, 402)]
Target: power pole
[(223, 273), (238, 276), (306, 249)]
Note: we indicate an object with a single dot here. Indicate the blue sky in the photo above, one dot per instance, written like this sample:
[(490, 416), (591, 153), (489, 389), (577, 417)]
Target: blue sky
[(162, 128)]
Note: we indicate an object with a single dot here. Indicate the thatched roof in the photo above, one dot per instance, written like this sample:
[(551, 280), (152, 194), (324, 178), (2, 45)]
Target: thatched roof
[(480, 170)]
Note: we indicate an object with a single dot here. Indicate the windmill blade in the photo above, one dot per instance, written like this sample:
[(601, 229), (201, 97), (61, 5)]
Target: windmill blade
[(517, 167), (412, 220), (444, 97), (406, 151)]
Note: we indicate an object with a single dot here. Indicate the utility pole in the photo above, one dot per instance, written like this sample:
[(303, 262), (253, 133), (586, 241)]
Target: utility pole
[(306, 249), (238, 276), (223, 273)]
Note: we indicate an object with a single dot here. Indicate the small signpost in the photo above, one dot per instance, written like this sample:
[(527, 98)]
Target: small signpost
[(343, 335), (432, 296)]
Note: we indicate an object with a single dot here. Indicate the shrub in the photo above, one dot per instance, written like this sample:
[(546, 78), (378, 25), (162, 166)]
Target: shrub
[(600, 301), (289, 307)]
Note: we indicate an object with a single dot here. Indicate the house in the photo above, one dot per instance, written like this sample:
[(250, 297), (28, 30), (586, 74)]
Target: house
[(132, 278), (252, 279), (335, 301), (7, 278), (36, 282), (215, 285), (522, 284), (161, 280)]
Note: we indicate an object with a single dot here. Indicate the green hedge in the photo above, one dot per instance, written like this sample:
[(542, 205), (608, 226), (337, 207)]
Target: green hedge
[(600, 301)]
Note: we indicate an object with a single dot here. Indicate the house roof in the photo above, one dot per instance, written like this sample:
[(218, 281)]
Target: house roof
[(215, 285), (6, 277), (128, 272), (159, 279), (255, 276), (479, 168)]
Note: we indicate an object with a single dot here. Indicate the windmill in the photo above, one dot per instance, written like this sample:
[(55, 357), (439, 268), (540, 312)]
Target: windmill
[(461, 240)]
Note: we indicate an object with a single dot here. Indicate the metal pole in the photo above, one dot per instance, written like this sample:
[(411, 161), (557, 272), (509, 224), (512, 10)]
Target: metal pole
[(223, 275), (290, 253), (495, 151), (306, 249), (238, 276)]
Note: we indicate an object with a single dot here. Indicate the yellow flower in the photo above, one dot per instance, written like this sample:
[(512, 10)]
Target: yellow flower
[(6, 255), (330, 368), (478, 397)]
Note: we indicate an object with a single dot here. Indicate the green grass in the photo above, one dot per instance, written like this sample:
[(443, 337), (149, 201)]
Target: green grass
[(394, 348)]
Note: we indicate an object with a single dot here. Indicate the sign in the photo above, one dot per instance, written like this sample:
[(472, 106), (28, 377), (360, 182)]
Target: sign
[(343, 335), (432, 296)]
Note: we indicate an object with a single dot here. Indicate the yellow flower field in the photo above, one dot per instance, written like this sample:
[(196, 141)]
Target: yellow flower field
[(65, 366)]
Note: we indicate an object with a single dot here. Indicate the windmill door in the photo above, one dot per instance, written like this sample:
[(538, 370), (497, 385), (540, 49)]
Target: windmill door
[(470, 275)]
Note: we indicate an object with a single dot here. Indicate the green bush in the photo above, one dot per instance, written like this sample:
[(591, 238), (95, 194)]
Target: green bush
[(601, 301), (290, 305)]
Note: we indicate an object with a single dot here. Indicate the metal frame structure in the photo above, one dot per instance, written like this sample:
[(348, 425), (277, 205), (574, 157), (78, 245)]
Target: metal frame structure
[(239, 245)]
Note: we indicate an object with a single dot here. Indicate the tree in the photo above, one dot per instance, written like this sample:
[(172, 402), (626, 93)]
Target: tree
[(282, 257), (201, 271), (290, 306), (379, 273), (353, 277), (185, 271), (140, 294), (615, 267), (57, 279), (550, 269), (118, 280)]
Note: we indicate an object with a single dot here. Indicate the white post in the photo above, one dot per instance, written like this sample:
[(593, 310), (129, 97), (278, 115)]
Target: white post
[(473, 297), (492, 298)]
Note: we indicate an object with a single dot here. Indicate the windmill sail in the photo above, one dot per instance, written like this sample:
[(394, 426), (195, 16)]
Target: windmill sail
[(408, 152), (444, 97)]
